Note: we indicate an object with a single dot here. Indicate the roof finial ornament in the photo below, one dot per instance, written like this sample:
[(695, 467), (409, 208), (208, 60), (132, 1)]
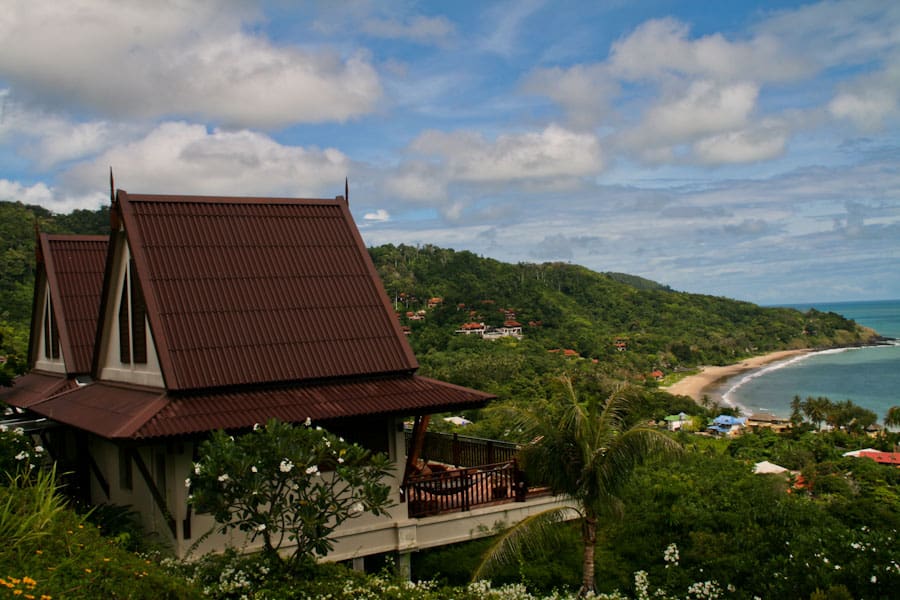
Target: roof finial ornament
[(112, 187), (347, 190)]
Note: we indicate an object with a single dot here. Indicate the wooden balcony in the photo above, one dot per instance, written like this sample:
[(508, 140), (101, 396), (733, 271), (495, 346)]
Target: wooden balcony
[(458, 473), (443, 491)]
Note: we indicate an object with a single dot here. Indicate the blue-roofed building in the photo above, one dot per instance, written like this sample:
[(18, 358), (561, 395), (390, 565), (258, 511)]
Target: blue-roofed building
[(727, 425)]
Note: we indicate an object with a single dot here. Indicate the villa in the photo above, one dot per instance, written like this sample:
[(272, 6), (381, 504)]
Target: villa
[(206, 313)]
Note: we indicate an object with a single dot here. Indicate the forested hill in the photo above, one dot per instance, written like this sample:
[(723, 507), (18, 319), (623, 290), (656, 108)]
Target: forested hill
[(563, 306), (560, 306)]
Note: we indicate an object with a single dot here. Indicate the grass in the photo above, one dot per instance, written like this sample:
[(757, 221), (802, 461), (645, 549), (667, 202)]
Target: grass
[(49, 551)]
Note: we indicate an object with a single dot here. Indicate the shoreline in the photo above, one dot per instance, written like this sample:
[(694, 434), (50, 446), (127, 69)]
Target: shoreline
[(696, 386)]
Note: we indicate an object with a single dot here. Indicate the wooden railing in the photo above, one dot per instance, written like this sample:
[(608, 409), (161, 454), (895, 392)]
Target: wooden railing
[(463, 451), (454, 490)]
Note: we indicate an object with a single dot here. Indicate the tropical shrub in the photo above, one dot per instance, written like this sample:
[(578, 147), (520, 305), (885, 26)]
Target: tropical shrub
[(18, 453), (287, 485)]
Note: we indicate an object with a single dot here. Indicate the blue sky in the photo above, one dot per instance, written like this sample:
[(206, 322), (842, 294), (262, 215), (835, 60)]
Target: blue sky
[(743, 149)]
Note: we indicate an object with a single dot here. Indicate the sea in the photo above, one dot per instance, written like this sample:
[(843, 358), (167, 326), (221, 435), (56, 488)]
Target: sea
[(868, 376)]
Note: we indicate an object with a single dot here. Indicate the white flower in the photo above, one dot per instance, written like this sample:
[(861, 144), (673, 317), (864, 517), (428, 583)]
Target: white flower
[(38, 449), (256, 427), (223, 477), (3, 428), (313, 470), (307, 422), (340, 439), (253, 469), (187, 482), (22, 455), (355, 509), (874, 579), (671, 555), (341, 460), (196, 468), (318, 428), (286, 466), (19, 431), (261, 527)]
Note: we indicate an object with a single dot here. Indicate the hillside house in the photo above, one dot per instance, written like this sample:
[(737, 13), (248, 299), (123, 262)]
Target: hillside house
[(765, 420), (67, 287), (472, 329), (727, 425), (220, 313), (679, 421)]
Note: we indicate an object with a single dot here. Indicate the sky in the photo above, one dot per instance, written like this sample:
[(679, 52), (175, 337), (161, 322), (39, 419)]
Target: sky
[(740, 149)]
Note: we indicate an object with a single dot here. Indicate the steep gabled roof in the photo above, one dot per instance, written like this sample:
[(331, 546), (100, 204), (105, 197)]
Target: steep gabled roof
[(74, 266), (258, 308), (244, 291)]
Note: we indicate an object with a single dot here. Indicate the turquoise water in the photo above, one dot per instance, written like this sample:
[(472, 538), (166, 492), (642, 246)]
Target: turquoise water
[(868, 376)]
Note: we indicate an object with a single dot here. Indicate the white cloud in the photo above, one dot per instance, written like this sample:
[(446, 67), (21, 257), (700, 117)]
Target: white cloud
[(720, 113), (379, 216), (834, 33), (742, 146), (661, 46), (152, 59), (553, 152), (416, 181), (584, 91), (421, 29), (705, 107), (53, 199), (183, 158), (870, 100), (13, 191), (49, 139)]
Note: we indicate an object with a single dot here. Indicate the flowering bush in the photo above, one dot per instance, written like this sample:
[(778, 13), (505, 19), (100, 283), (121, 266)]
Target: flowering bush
[(18, 453), (287, 485)]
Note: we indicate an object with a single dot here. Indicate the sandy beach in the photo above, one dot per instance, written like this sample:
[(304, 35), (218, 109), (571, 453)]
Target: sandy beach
[(695, 386)]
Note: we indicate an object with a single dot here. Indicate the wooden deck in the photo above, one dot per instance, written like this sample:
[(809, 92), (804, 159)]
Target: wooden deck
[(453, 490)]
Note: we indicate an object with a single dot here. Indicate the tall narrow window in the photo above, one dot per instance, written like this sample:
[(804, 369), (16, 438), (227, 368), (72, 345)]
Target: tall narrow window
[(51, 332), (132, 319), (124, 325), (138, 317)]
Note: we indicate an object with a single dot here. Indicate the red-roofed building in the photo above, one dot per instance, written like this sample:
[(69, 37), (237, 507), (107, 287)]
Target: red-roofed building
[(67, 288), (220, 313), (882, 458)]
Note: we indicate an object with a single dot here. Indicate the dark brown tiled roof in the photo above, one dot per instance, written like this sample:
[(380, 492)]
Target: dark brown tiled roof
[(244, 291), (33, 387), (117, 411), (74, 266)]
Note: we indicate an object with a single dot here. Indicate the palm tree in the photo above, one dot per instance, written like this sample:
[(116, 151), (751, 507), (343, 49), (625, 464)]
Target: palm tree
[(817, 410), (796, 412), (892, 418), (586, 452)]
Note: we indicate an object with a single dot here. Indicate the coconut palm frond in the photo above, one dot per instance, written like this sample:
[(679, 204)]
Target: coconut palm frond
[(630, 449), (535, 533)]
